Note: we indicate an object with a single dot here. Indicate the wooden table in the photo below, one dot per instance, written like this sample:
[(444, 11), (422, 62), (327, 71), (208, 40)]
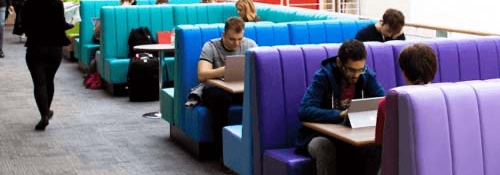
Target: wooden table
[(357, 137), (235, 87)]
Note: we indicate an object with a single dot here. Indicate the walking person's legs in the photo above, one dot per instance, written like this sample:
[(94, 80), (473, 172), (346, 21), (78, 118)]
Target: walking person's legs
[(43, 63), (2, 26)]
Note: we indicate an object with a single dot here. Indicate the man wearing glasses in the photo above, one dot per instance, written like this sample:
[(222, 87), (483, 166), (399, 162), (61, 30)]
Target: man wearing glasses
[(327, 100)]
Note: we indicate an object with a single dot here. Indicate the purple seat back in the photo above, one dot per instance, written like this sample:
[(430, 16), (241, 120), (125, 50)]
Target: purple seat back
[(280, 76), (444, 128)]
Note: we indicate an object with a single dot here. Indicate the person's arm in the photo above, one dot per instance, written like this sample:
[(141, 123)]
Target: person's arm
[(206, 71), (310, 107), (205, 65), (60, 17)]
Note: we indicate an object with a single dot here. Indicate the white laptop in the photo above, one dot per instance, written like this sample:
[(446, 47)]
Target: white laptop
[(362, 112), (235, 68)]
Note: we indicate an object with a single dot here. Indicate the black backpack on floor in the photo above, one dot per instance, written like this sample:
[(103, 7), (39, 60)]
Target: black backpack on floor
[(139, 36), (143, 78)]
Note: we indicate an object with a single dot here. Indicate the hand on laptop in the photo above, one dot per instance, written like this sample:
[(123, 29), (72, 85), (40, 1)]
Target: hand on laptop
[(343, 114)]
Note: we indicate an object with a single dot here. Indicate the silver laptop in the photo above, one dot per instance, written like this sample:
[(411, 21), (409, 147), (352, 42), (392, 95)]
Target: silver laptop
[(362, 112), (235, 68)]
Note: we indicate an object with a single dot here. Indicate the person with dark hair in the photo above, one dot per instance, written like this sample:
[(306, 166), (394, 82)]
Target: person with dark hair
[(212, 66), (419, 65), (390, 28), (44, 50), (327, 99), (247, 11)]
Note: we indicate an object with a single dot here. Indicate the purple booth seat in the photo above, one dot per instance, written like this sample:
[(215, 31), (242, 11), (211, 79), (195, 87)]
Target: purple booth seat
[(442, 129), (280, 76)]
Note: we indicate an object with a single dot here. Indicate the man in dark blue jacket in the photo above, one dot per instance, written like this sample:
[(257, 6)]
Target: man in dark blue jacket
[(339, 80)]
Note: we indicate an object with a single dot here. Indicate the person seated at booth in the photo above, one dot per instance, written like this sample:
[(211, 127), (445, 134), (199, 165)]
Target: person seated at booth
[(96, 37), (212, 66), (339, 80), (247, 11), (419, 65), (390, 28)]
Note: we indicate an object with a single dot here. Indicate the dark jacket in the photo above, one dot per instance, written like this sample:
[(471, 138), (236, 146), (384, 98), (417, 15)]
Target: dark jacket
[(5, 3), (316, 105), (44, 23), (370, 33)]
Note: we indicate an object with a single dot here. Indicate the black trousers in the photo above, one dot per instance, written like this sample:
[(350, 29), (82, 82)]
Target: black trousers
[(43, 62), (218, 102)]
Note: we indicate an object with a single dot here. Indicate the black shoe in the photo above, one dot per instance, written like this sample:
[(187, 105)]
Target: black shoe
[(2, 55), (42, 124), (51, 113)]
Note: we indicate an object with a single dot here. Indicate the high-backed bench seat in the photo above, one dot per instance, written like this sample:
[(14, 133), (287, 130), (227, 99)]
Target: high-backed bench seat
[(117, 22), (277, 77), (91, 9), (444, 129), (190, 39)]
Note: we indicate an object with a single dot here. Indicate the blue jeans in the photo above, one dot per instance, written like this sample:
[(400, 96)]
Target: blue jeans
[(2, 26)]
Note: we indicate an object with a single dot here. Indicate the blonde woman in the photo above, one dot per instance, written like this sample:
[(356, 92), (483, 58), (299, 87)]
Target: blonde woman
[(247, 11)]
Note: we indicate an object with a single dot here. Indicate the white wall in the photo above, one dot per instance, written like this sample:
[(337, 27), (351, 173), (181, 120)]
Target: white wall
[(478, 15), (376, 8)]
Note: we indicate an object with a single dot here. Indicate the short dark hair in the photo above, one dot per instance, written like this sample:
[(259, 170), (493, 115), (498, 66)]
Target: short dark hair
[(418, 63), (235, 24), (394, 19), (353, 50)]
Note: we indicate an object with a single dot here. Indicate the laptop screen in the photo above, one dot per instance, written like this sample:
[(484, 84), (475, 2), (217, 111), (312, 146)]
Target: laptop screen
[(235, 68), (362, 112)]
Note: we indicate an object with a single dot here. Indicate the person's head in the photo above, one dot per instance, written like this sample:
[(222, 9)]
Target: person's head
[(127, 2), (351, 60), (392, 23), (246, 10), (233, 33), (161, 1), (418, 64)]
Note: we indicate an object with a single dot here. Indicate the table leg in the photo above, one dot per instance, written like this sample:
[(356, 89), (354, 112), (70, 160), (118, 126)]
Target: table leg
[(157, 114)]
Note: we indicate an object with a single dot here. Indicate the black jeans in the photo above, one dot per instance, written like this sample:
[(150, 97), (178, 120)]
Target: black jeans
[(218, 102), (43, 62)]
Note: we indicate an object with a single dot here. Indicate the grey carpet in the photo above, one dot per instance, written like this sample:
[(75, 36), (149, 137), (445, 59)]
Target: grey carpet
[(92, 133)]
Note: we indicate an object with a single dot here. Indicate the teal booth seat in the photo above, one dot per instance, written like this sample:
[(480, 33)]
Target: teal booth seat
[(183, 1), (117, 22), (91, 9)]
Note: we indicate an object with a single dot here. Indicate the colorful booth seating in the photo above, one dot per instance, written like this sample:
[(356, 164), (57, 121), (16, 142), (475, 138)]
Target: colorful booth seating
[(195, 122), (91, 9), (118, 21), (273, 81), (443, 128)]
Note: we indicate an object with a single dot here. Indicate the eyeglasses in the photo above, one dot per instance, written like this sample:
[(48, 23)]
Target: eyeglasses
[(351, 70)]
